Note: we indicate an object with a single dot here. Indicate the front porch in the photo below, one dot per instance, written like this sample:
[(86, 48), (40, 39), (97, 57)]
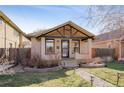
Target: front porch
[(67, 40)]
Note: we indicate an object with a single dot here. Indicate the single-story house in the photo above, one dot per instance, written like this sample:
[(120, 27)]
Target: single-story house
[(112, 39), (67, 40)]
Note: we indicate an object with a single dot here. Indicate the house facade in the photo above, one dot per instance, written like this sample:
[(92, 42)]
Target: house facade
[(67, 40), (11, 36), (113, 39)]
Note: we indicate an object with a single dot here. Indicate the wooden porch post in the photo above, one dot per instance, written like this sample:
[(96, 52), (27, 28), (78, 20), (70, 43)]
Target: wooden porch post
[(42, 47)]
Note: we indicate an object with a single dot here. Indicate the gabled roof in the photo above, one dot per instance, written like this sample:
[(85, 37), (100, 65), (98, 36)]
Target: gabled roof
[(40, 33), (117, 34), (6, 19)]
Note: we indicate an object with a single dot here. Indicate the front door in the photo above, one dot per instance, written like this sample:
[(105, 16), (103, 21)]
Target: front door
[(65, 48)]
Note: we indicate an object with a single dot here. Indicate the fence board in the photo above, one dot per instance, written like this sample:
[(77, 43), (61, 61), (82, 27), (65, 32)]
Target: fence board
[(16, 53), (103, 52)]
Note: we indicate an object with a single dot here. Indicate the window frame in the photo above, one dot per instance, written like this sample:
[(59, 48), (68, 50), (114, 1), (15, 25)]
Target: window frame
[(78, 43), (46, 46)]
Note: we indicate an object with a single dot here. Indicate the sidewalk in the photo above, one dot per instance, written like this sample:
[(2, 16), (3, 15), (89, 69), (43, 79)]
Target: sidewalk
[(98, 82)]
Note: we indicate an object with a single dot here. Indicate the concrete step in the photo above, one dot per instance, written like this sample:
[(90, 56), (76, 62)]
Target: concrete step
[(70, 63)]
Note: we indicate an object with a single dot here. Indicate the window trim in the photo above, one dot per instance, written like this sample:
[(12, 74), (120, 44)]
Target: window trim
[(46, 47)]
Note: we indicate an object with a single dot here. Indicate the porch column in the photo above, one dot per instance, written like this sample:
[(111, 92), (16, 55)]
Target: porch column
[(58, 47), (42, 47), (120, 49), (70, 48), (90, 48)]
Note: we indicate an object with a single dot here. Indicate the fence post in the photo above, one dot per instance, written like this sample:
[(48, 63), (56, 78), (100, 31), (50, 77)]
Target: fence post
[(92, 79), (118, 77)]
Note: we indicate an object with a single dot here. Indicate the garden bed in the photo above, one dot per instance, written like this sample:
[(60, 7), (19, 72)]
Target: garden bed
[(51, 69), (91, 65)]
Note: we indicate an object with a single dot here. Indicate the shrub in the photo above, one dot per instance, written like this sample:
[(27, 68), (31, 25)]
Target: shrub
[(38, 62)]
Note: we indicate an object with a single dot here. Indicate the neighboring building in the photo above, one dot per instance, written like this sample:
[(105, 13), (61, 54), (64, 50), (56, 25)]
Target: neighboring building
[(67, 40), (113, 39), (11, 36)]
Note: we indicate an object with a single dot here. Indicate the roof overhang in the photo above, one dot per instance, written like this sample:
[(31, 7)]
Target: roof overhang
[(42, 33)]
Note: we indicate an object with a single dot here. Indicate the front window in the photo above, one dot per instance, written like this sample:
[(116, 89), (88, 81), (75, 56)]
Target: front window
[(49, 46), (76, 46)]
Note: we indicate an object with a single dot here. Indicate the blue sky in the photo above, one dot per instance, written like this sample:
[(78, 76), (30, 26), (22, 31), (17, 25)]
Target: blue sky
[(32, 18)]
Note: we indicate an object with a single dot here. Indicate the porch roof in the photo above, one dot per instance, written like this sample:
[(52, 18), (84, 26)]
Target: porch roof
[(42, 32)]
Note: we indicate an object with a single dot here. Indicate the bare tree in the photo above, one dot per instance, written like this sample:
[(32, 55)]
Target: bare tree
[(107, 18)]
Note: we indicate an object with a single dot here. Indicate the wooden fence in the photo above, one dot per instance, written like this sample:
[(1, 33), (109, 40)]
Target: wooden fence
[(103, 52), (16, 54)]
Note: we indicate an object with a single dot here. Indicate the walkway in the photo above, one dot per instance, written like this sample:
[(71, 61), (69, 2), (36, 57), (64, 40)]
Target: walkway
[(98, 82)]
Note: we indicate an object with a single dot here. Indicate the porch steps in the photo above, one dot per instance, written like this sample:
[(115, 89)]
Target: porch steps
[(69, 63)]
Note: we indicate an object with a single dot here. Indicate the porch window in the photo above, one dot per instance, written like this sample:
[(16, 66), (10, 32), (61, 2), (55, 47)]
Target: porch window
[(76, 46), (49, 46)]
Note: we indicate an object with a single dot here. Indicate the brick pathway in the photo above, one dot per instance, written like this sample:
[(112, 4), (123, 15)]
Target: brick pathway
[(98, 82)]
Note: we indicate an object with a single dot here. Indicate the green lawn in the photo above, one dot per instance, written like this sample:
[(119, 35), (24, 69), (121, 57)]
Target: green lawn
[(109, 73), (116, 66), (61, 78)]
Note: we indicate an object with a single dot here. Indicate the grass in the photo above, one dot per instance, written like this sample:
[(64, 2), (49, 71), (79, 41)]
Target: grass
[(110, 73), (61, 78), (115, 65)]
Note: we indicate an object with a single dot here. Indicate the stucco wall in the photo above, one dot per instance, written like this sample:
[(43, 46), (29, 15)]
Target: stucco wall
[(84, 47), (106, 44), (38, 48), (12, 36), (26, 42), (1, 36), (85, 50), (100, 45)]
